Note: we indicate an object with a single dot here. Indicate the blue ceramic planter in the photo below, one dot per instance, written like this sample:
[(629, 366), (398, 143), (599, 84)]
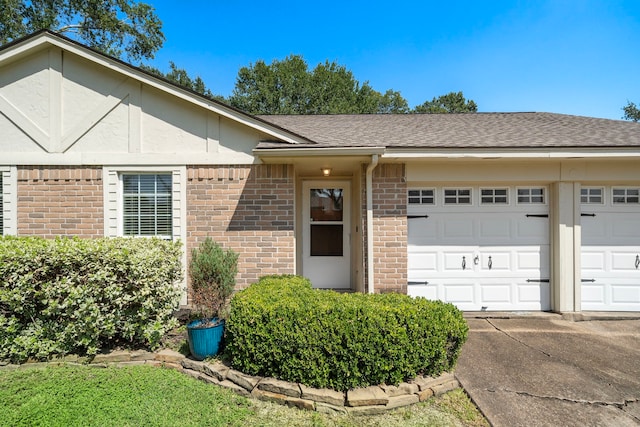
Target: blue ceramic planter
[(204, 342)]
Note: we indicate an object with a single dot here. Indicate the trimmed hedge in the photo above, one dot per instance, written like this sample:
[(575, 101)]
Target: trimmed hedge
[(280, 327), (80, 296)]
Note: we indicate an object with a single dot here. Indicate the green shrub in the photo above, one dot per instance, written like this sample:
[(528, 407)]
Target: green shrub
[(79, 296), (213, 277), (280, 327)]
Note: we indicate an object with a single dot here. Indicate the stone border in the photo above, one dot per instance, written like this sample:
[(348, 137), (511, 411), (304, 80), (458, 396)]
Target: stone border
[(361, 401)]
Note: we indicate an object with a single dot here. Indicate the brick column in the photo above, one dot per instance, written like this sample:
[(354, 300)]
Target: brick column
[(390, 228)]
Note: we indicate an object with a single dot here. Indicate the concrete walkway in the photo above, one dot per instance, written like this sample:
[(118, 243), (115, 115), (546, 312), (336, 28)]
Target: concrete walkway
[(540, 370)]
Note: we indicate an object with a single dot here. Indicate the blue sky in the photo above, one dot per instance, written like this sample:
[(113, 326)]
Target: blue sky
[(561, 56)]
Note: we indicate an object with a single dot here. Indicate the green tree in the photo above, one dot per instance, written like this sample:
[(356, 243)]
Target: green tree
[(120, 28), (182, 78), (453, 102), (631, 112), (289, 87)]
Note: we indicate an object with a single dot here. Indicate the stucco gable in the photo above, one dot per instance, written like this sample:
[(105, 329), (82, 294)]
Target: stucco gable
[(61, 102)]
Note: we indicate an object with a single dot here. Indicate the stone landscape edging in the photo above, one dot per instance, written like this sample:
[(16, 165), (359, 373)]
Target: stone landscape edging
[(371, 400)]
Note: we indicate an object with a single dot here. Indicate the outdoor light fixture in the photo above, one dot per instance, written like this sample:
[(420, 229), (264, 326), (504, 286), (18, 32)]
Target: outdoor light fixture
[(326, 171)]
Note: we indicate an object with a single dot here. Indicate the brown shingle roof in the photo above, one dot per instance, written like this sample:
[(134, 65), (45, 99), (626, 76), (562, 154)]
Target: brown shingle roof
[(476, 130)]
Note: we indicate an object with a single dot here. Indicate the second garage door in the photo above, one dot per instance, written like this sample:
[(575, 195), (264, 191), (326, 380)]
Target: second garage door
[(610, 221), (480, 247)]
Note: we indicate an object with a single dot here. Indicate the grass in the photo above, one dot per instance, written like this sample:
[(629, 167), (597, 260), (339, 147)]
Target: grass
[(148, 396)]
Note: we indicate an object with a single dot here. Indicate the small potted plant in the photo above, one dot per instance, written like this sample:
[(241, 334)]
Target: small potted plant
[(212, 271)]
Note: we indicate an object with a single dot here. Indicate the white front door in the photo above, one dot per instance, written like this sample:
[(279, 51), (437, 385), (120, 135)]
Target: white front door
[(610, 261), (480, 248), (326, 245)]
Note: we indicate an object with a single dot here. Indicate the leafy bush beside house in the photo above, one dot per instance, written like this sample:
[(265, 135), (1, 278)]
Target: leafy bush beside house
[(79, 296), (282, 328)]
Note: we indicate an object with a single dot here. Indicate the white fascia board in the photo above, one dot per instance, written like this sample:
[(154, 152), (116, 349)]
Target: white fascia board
[(391, 154), (317, 152), (45, 39)]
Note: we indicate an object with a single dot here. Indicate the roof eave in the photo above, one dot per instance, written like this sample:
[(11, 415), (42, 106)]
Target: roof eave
[(407, 154), (318, 151)]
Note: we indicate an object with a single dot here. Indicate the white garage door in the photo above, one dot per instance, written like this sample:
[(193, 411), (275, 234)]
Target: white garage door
[(480, 248), (610, 260)]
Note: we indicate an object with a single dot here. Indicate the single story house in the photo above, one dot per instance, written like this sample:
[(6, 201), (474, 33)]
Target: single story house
[(489, 211)]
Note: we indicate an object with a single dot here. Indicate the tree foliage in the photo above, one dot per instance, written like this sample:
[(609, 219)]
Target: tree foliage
[(120, 28), (290, 87), (631, 112), (181, 77), (453, 102)]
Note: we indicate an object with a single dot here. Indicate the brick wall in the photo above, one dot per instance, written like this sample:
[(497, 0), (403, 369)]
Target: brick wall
[(390, 228), (247, 208), (60, 201)]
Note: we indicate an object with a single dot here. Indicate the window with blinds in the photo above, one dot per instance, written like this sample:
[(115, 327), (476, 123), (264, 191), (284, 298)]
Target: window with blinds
[(147, 205)]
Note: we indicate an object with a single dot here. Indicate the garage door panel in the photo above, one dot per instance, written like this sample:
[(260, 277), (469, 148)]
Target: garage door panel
[(593, 260), (421, 231), (594, 231), (457, 261), (593, 294), (532, 230), (534, 295), (495, 261), (625, 260), (422, 261), (533, 262), (626, 229), (494, 229), (486, 251), (619, 295), (496, 293), (457, 230), (625, 293), (425, 291), (459, 293)]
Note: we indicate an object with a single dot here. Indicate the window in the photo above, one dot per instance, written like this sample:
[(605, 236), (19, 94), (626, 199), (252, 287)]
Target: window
[(531, 195), (457, 196), (626, 195), (421, 197), (592, 195), (494, 196), (147, 205)]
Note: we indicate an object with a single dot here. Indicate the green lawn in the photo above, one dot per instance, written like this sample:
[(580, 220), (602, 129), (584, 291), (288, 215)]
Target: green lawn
[(148, 396)]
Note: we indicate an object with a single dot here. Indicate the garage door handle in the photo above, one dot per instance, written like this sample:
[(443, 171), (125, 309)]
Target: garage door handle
[(418, 283), (588, 280), (537, 280), (464, 263), (588, 214), (637, 261), (490, 263)]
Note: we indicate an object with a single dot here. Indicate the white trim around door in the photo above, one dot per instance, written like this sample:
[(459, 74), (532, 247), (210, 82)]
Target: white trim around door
[(326, 222)]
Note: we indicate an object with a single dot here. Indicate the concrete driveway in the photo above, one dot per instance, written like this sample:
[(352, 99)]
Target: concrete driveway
[(545, 371)]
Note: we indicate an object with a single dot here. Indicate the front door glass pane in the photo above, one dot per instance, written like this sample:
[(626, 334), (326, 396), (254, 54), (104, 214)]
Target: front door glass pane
[(326, 204), (326, 240)]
